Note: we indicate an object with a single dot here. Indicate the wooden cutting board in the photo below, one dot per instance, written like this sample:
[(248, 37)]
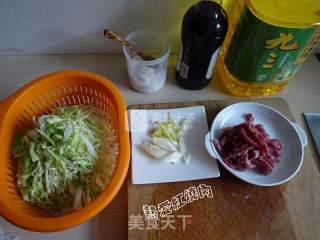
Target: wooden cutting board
[(237, 210)]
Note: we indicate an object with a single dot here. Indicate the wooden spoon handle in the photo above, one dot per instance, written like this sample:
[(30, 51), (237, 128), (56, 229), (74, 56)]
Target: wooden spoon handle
[(114, 36)]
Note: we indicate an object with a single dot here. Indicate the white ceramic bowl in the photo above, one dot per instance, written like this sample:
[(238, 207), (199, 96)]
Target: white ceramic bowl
[(291, 135)]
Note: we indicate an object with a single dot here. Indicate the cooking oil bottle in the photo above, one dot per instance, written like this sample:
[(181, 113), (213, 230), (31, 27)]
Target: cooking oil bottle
[(266, 43)]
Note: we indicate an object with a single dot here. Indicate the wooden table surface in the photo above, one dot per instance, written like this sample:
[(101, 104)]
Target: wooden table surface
[(302, 94)]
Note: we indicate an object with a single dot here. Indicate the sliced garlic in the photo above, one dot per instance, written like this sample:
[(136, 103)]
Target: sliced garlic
[(171, 157), (153, 150), (165, 143)]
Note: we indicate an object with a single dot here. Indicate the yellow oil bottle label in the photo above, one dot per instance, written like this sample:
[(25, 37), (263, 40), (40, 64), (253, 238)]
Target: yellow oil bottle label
[(263, 53)]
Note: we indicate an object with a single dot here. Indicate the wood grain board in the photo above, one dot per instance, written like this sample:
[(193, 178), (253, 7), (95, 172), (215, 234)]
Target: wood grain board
[(237, 210)]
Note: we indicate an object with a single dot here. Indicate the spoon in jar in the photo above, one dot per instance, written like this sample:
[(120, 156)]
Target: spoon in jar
[(114, 36)]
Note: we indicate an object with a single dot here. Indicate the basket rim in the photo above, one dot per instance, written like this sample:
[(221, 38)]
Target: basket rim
[(57, 223)]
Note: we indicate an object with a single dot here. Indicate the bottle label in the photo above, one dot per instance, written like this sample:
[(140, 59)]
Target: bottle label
[(262, 53), (180, 56), (212, 63), (184, 69)]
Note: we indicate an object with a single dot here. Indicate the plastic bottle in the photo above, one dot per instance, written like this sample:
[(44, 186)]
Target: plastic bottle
[(266, 43)]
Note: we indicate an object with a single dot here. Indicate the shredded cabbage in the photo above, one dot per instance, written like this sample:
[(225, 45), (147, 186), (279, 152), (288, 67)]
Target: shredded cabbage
[(67, 159)]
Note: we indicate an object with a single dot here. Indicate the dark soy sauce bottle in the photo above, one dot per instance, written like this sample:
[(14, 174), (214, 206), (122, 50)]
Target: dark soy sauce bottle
[(204, 28)]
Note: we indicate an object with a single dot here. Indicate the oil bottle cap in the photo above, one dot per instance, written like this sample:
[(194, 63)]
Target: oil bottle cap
[(287, 13)]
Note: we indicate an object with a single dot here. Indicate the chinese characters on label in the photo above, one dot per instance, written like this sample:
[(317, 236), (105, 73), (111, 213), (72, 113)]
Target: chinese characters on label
[(176, 202), (270, 61), (284, 44), (283, 41)]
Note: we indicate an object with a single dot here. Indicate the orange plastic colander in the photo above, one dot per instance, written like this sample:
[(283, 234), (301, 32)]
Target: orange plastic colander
[(38, 97)]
